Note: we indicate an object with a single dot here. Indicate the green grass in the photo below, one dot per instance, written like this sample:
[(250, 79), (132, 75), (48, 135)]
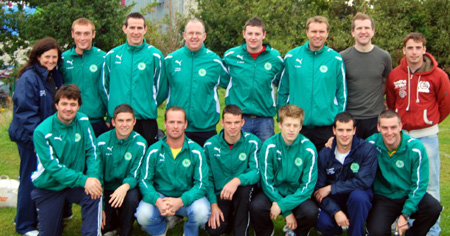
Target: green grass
[(9, 165)]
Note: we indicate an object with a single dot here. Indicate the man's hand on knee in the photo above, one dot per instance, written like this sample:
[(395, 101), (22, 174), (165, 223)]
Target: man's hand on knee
[(230, 188), (93, 187), (341, 219), (174, 204), (216, 216), (119, 195)]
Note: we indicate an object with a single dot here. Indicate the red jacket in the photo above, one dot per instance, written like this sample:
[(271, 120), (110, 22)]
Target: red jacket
[(424, 99)]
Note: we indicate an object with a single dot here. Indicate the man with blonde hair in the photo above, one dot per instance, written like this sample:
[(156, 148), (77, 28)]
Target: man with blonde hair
[(288, 167), (82, 65), (314, 79)]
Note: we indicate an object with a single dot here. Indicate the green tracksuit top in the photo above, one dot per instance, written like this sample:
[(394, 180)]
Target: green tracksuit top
[(64, 152), (404, 174), (251, 82), (314, 81), (225, 164), (185, 177), (121, 159), (288, 172), (86, 72), (135, 75), (193, 78)]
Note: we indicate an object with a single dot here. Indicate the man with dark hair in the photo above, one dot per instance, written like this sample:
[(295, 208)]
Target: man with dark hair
[(288, 176), (401, 181), (174, 180), (68, 166), (420, 92), (314, 79), (233, 163), (367, 68), (193, 74), (344, 185), (134, 73), (255, 69), (82, 65), (121, 152)]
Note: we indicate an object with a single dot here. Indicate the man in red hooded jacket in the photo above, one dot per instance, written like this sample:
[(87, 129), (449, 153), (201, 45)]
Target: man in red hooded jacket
[(420, 92)]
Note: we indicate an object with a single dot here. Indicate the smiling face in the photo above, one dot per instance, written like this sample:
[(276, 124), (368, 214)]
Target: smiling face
[(124, 123), (83, 36), (232, 125), (317, 34), (290, 128), (49, 59), (194, 35), (254, 36), (175, 124), (390, 129), (363, 32), (414, 51), (135, 31), (67, 109), (344, 133)]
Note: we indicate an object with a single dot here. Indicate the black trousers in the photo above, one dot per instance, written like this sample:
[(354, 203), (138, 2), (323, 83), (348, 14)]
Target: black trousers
[(148, 129), (386, 210), (235, 213), (306, 214), (366, 127), (200, 137), (122, 217), (318, 135)]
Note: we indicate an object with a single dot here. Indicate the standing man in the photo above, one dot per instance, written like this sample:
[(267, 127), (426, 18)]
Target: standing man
[(255, 69), (420, 92), (134, 73), (68, 166), (367, 68), (288, 176), (121, 152), (174, 180), (314, 79), (346, 174), (232, 159), (193, 74), (82, 65), (401, 181)]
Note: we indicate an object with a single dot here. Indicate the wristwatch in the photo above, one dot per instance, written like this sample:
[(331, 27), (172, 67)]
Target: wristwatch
[(406, 217)]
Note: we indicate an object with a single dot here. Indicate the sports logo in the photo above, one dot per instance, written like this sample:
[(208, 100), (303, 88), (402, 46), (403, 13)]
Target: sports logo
[(186, 163), (202, 72), (354, 167), (93, 68), (323, 68), (267, 66), (242, 156), (141, 66), (400, 84), (402, 93), (241, 57), (128, 156), (178, 62), (331, 171), (70, 62), (298, 161), (77, 137), (400, 164), (42, 93)]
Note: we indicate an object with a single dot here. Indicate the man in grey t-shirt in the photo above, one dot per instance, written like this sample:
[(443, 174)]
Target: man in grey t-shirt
[(367, 67)]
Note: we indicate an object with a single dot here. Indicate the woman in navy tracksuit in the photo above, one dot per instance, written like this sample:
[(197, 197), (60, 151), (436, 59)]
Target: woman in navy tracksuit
[(33, 102)]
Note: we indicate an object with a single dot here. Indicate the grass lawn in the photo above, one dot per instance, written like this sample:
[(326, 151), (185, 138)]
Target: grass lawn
[(9, 165)]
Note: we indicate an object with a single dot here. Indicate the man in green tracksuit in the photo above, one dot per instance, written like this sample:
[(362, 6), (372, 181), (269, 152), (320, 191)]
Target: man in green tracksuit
[(68, 166), (193, 74), (288, 167), (314, 79), (133, 73), (174, 180), (233, 164), (121, 153), (255, 70), (401, 181), (82, 65)]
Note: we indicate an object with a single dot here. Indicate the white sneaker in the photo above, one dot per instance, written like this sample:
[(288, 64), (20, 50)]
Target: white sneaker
[(172, 221), (67, 218), (32, 233), (110, 233)]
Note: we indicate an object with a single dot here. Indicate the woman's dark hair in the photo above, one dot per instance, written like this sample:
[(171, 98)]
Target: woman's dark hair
[(40, 48)]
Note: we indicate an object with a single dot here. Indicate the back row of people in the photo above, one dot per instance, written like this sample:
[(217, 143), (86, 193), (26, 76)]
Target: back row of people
[(324, 83)]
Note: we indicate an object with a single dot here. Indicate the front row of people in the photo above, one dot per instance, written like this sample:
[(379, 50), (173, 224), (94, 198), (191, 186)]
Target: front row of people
[(217, 185)]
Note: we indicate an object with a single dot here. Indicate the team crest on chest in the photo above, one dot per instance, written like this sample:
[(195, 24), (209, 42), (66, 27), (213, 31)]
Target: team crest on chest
[(186, 162), (77, 137), (267, 66), (423, 87), (242, 156), (354, 167), (128, 156), (323, 68), (93, 68), (202, 72), (400, 164), (298, 161), (141, 66)]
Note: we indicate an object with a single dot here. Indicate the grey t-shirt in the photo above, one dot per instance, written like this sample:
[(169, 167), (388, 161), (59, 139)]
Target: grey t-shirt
[(365, 72)]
